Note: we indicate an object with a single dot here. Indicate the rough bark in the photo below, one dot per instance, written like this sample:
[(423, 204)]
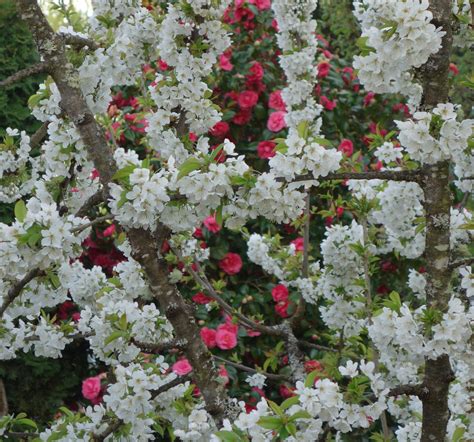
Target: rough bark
[(145, 245), (438, 372)]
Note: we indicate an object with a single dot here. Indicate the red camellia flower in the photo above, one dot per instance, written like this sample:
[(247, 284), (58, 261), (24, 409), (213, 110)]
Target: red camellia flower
[(266, 149), (323, 69), (327, 103), (312, 365), (279, 293), (453, 69), (276, 121), (282, 309), (220, 129), (182, 367), (211, 224), (286, 392), (208, 335), (256, 72), (231, 263), (247, 99), (243, 117), (299, 244), (276, 102), (91, 388), (339, 211), (201, 298), (369, 99), (262, 5), (346, 147), (225, 339)]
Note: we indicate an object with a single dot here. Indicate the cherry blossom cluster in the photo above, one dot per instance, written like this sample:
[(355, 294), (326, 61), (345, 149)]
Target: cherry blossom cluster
[(397, 37)]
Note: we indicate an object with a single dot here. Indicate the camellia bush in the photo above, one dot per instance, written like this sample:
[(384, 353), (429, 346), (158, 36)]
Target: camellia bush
[(246, 235)]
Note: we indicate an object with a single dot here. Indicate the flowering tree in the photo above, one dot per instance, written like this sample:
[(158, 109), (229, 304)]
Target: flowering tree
[(175, 165)]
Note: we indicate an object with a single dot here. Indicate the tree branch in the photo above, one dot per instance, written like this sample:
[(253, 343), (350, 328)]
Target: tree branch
[(389, 175), (39, 135), (38, 68), (78, 42), (98, 197), (160, 348), (271, 376), (145, 245), (419, 390), (98, 220), (461, 263), (16, 289)]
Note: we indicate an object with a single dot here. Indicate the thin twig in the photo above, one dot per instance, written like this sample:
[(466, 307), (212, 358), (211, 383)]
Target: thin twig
[(202, 280), (98, 197), (271, 376), (99, 220), (38, 68), (306, 344), (390, 175)]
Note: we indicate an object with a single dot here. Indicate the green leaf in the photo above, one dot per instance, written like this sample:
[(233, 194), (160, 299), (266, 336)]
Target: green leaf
[(303, 129), (287, 403), (309, 382), (188, 166), (27, 422), (270, 422), (20, 211), (458, 434), (219, 215), (323, 141), (275, 407), (124, 173), (115, 335), (302, 414), (228, 436)]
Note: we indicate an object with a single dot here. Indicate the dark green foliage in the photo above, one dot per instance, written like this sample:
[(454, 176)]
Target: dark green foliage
[(338, 25), (17, 51), (39, 386)]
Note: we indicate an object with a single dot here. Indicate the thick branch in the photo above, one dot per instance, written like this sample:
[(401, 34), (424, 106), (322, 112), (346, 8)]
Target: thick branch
[(461, 263), (25, 73), (160, 348), (409, 390), (145, 245), (16, 289), (78, 42), (39, 135)]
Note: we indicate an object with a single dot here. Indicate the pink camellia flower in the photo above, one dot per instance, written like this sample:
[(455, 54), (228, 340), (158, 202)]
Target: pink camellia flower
[(275, 101), (346, 147), (327, 103), (224, 63), (312, 365), (252, 333), (262, 5), (282, 309), (276, 121), (225, 339), (223, 373), (286, 392), (231, 263), (182, 367), (211, 224), (323, 69), (109, 231), (230, 324), (266, 149), (279, 293), (220, 129), (193, 137), (91, 388), (76, 316), (208, 335), (247, 99), (162, 65), (299, 244)]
